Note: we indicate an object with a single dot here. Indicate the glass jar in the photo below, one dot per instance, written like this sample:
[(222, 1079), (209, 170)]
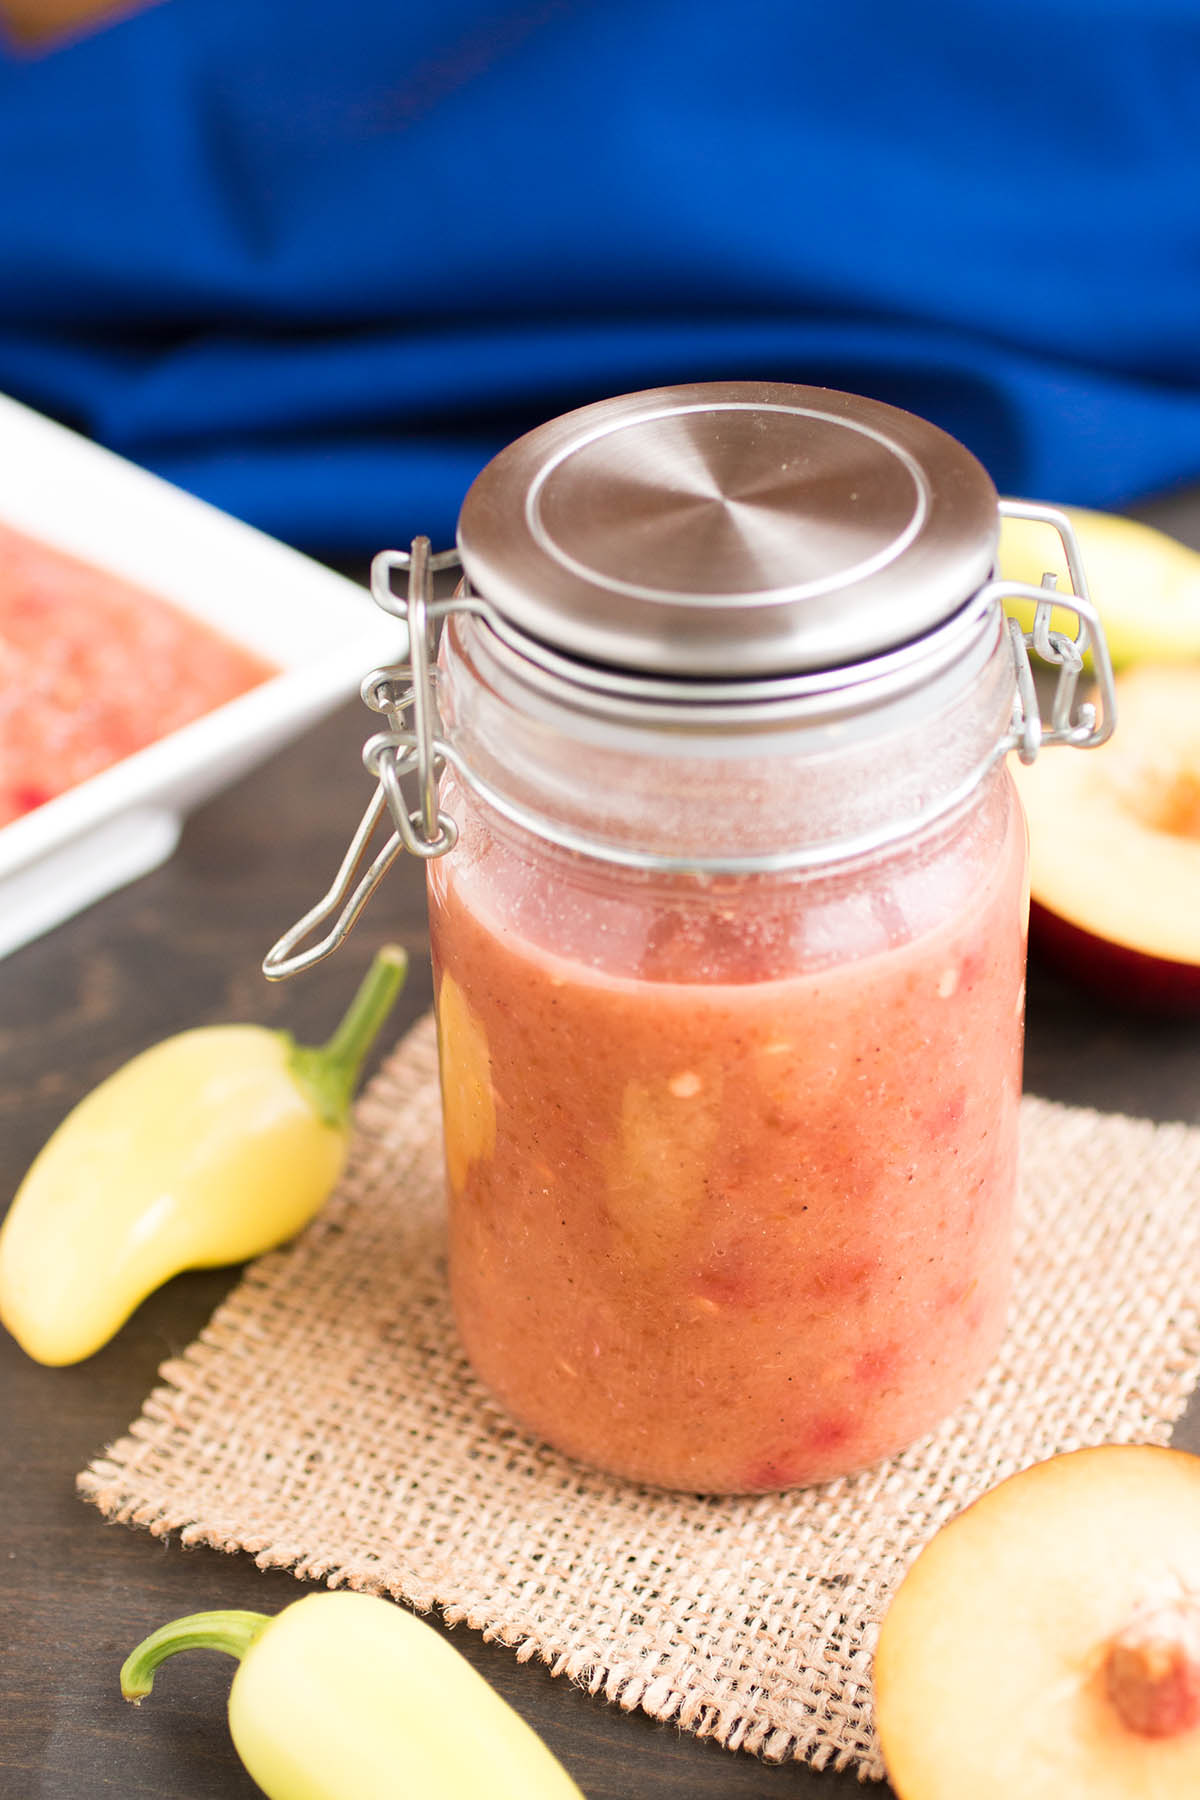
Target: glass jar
[(728, 898)]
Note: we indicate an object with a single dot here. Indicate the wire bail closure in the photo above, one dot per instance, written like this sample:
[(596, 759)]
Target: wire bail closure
[(406, 748), (395, 752), (1083, 726), (389, 756)]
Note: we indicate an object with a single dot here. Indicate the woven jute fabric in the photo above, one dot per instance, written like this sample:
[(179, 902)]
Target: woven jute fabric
[(326, 1422)]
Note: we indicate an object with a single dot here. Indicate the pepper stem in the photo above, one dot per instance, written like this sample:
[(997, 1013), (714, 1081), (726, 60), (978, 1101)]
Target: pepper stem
[(327, 1072), (232, 1632)]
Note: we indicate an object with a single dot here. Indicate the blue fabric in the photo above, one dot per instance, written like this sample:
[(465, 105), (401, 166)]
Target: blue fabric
[(317, 261)]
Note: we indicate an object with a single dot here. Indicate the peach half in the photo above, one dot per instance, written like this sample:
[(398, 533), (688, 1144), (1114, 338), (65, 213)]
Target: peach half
[(1114, 846), (1046, 1643)]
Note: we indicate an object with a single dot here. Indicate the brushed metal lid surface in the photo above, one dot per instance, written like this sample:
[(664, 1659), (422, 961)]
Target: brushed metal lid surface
[(730, 529)]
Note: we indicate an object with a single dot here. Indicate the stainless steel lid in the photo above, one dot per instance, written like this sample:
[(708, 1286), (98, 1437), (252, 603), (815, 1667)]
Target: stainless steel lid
[(730, 530)]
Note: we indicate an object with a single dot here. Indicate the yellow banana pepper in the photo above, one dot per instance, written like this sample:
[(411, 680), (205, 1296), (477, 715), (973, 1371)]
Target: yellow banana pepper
[(345, 1696), (1145, 584), (209, 1148)]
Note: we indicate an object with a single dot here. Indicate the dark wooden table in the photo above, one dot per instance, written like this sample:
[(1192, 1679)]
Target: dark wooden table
[(182, 947)]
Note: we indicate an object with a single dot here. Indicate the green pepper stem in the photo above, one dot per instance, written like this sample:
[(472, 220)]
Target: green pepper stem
[(327, 1072), (232, 1632)]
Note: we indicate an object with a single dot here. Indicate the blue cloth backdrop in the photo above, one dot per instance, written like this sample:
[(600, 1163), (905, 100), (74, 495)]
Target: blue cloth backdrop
[(317, 259)]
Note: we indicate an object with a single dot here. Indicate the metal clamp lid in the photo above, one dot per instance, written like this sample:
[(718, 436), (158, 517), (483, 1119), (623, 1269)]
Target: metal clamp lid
[(729, 530), (412, 744)]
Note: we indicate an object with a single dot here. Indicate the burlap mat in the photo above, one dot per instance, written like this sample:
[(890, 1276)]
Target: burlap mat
[(325, 1422)]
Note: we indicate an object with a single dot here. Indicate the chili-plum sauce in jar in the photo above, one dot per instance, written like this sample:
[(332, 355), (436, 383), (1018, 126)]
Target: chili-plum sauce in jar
[(732, 1158), (728, 899)]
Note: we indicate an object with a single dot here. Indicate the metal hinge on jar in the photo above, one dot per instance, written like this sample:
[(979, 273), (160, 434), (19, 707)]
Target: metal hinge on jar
[(403, 693), (1078, 723), (390, 756)]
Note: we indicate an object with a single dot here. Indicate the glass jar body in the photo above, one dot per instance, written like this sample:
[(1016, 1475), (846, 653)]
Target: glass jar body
[(731, 1156)]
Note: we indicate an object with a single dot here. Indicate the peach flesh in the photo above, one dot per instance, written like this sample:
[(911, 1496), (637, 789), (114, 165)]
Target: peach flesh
[(1115, 848), (1046, 1643)]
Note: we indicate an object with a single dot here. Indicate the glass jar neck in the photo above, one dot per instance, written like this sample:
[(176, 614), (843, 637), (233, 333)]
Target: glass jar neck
[(770, 781)]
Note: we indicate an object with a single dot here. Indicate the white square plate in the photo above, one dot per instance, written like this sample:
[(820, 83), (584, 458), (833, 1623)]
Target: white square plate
[(319, 629)]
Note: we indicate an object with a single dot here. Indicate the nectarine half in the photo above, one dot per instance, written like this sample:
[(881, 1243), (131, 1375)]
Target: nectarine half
[(1046, 1643), (1114, 841)]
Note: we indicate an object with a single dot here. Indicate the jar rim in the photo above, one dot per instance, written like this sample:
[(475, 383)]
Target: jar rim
[(736, 705), (506, 694)]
